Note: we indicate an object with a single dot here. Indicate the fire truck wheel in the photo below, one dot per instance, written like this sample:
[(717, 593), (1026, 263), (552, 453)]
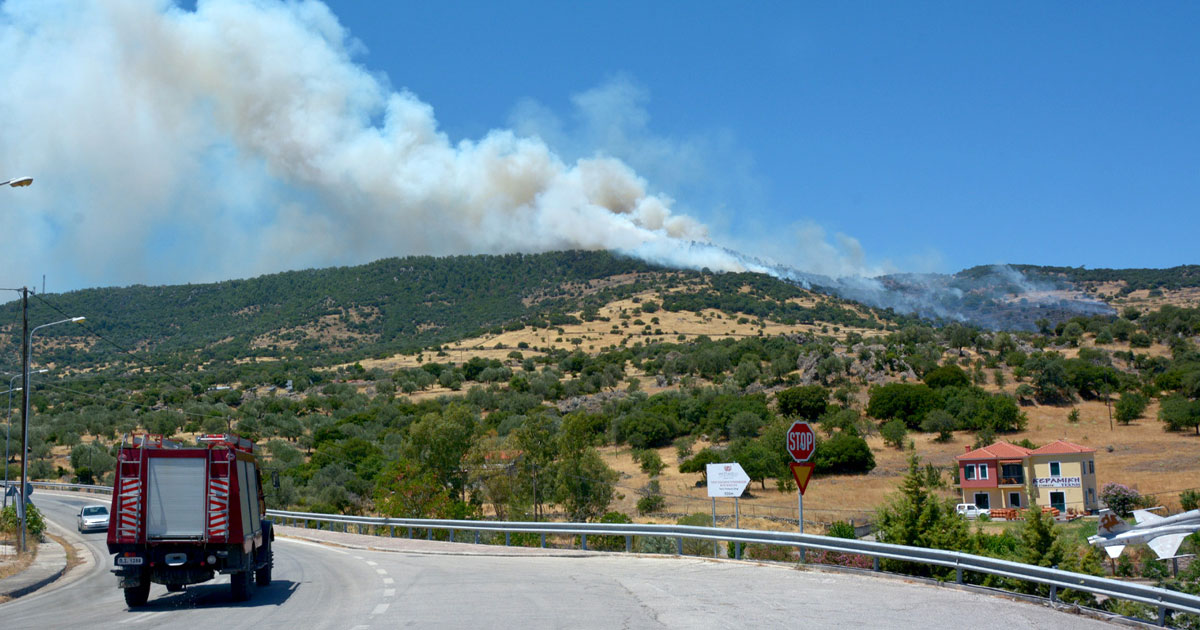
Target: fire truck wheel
[(262, 577), (239, 584), (137, 595)]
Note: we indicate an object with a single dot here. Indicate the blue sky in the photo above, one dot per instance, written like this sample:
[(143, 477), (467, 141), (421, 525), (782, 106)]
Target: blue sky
[(939, 135), (203, 141)]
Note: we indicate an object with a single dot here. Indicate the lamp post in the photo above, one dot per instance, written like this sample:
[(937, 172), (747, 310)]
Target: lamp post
[(28, 342), (18, 182), (8, 423)]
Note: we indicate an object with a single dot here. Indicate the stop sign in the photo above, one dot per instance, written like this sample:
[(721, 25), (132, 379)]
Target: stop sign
[(801, 441)]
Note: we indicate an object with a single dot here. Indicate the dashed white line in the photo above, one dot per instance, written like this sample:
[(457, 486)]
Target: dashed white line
[(371, 562), (381, 571), (142, 617), (380, 609), (389, 592), (389, 581)]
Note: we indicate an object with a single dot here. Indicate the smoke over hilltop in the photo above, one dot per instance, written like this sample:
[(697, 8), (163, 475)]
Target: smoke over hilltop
[(243, 138)]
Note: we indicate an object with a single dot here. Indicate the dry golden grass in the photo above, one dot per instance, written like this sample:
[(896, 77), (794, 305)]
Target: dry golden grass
[(596, 336), (1141, 455)]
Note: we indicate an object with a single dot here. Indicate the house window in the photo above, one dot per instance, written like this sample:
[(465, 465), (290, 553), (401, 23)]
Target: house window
[(1091, 466), (1014, 499), (983, 500), (983, 471), (1091, 497), (1055, 469), (969, 472), (1011, 473)]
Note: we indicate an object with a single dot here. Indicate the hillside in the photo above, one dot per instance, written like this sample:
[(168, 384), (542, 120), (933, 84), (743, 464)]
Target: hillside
[(389, 306)]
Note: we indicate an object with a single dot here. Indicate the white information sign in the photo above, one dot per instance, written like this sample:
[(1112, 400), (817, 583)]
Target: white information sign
[(726, 480), (1058, 482)]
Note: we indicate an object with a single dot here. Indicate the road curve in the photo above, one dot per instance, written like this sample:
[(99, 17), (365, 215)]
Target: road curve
[(464, 586)]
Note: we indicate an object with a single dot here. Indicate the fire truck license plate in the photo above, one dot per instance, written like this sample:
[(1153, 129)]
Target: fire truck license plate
[(129, 560)]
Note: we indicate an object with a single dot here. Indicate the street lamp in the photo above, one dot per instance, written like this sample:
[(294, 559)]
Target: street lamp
[(8, 422), (18, 182), (25, 421)]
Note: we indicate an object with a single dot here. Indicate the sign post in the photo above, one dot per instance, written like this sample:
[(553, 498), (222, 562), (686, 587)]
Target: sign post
[(801, 444), (725, 480)]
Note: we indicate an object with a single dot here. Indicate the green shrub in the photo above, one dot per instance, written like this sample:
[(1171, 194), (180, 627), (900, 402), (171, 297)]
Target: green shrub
[(35, 525), (654, 544), (844, 453), (841, 529), (1189, 500), (894, 432), (609, 543), (774, 553), (694, 546), (651, 504)]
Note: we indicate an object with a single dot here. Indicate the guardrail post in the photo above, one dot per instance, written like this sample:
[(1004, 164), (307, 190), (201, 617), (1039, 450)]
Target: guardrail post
[(507, 538), (1162, 615), (628, 543), (679, 546), (1054, 589), (477, 537), (429, 534), (875, 562), (451, 535), (583, 538), (392, 531), (957, 572), (543, 540), (737, 550)]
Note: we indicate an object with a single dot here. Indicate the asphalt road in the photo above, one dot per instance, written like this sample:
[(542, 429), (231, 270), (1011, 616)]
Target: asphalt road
[(319, 586)]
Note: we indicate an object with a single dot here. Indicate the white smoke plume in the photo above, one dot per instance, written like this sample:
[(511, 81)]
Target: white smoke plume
[(241, 138)]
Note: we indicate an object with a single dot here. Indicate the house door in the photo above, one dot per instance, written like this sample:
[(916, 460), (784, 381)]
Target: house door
[(983, 500), (1014, 499), (1058, 500)]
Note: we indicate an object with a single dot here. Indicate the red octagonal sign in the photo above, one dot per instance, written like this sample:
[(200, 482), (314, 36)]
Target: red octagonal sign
[(801, 441)]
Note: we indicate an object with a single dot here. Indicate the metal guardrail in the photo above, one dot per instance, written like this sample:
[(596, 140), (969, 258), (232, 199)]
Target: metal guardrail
[(1162, 599)]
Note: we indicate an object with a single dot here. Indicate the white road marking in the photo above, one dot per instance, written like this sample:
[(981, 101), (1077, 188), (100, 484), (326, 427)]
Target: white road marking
[(389, 592), (293, 541), (142, 617), (380, 609), (381, 571), (389, 581), (371, 562)]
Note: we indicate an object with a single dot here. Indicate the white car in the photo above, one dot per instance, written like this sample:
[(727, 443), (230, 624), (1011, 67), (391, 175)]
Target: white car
[(970, 510), (92, 518)]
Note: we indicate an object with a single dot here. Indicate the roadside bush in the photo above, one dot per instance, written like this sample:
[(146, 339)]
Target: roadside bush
[(35, 525), (610, 543), (773, 553), (694, 546), (654, 544)]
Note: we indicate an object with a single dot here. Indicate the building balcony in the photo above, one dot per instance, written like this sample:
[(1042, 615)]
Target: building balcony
[(1013, 481)]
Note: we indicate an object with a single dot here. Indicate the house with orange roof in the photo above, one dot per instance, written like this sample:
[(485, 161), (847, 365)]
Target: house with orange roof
[(994, 476), (1003, 475), (1064, 476)]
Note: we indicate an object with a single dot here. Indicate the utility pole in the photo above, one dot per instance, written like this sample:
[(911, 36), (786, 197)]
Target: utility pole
[(24, 414)]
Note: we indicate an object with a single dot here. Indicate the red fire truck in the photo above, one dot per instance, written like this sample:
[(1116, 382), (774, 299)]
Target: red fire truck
[(180, 515)]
